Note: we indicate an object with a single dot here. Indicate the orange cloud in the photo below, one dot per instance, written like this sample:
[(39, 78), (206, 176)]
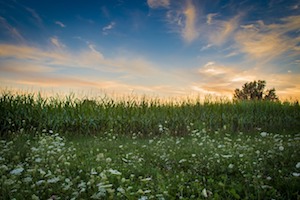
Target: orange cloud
[(190, 31), (261, 41)]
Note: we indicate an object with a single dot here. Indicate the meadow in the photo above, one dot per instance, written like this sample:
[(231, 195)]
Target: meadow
[(140, 148)]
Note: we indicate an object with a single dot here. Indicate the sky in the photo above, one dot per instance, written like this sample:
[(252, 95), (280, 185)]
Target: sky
[(164, 48)]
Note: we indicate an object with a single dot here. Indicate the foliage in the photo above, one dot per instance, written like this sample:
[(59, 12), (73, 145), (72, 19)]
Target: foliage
[(255, 91), (32, 113), (198, 166)]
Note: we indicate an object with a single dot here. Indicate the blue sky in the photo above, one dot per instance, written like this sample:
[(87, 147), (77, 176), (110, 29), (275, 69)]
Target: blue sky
[(167, 48)]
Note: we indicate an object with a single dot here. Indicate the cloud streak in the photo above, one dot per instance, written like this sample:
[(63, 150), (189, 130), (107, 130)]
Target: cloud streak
[(12, 31), (190, 31), (262, 41), (54, 41), (158, 3), (59, 23)]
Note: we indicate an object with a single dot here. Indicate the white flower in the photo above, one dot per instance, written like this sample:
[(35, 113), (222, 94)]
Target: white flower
[(204, 193), (182, 160), (296, 174), (226, 156), (99, 195), (230, 166), (17, 171), (160, 128), (121, 190), (146, 179), (100, 156), (108, 160), (298, 165), (93, 171), (53, 180), (263, 134), (114, 172), (27, 179), (3, 167), (40, 182), (281, 148), (34, 197), (143, 198)]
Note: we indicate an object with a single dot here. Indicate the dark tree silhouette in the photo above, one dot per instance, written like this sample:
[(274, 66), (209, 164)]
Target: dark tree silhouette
[(255, 91)]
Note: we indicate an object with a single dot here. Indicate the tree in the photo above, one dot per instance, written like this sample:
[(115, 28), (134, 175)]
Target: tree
[(255, 91)]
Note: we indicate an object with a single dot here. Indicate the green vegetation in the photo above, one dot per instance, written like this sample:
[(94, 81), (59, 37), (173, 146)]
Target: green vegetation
[(146, 149), (142, 116), (255, 91)]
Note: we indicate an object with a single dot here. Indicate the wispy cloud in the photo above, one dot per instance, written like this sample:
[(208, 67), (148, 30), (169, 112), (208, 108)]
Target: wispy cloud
[(210, 17), (182, 18), (158, 3), (222, 30), (266, 42), (190, 31), (108, 27), (12, 31), (206, 47), (36, 17), (55, 41), (60, 24)]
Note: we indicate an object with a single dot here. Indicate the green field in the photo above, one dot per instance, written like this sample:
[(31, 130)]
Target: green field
[(139, 148)]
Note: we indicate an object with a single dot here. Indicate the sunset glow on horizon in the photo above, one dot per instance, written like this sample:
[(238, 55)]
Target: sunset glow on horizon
[(164, 48)]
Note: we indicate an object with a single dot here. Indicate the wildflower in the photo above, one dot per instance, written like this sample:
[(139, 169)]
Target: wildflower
[(140, 191), (34, 197), (204, 193), (93, 171), (100, 156), (230, 166), (27, 179), (146, 179), (298, 165), (160, 128), (40, 182), (9, 182), (281, 148), (143, 198), (182, 160), (121, 190), (53, 180), (108, 160), (101, 185), (17, 171), (99, 195), (114, 172), (263, 134), (296, 174), (82, 184), (3, 167), (226, 156)]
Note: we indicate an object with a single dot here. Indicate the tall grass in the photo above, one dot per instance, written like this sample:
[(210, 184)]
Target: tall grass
[(144, 116)]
